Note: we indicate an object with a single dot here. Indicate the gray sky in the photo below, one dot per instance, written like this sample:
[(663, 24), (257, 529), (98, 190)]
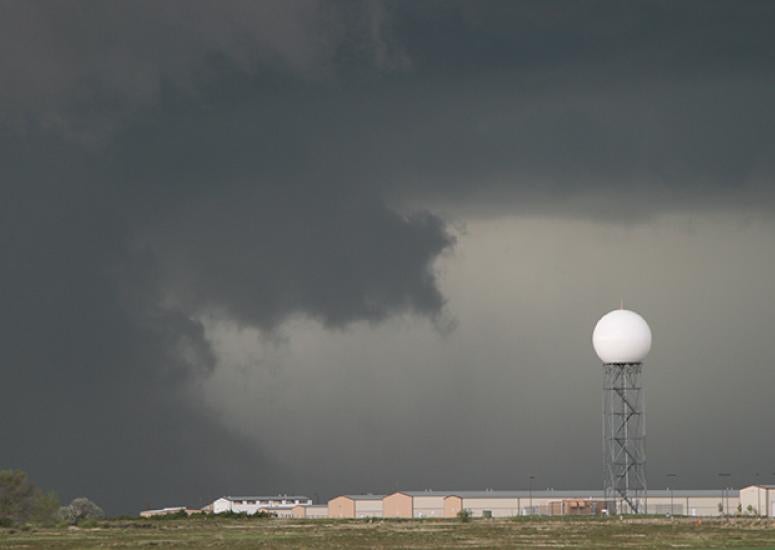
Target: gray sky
[(326, 247)]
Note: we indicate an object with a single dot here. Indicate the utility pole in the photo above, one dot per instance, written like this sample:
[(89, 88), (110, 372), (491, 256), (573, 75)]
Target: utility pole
[(672, 509), (723, 494)]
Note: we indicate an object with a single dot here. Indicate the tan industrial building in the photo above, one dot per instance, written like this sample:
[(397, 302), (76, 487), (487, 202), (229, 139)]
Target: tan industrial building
[(707, 502), (448, 504), (312, 511), (525, 503), (414, 504), (758, 500), (355, 506)]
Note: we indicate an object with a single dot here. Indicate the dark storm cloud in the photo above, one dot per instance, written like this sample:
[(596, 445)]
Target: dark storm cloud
[(94, 371), (262, 160), (111, 245), (336, 259)]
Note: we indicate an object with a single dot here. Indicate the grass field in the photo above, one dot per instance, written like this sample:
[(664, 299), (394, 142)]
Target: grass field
[(639, 533)]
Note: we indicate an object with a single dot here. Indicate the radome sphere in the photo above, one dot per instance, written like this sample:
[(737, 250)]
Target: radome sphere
[(622, 336)]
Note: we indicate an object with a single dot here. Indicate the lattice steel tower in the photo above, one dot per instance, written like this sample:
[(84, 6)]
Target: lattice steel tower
[(622, 339)]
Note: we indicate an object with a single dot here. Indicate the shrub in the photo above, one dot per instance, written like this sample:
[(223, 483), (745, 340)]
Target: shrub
[(464, 515), (80, 509), (261, 514), (180, 514)]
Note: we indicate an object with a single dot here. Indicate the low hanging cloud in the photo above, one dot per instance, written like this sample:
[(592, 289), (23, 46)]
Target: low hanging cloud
[(263, 257)]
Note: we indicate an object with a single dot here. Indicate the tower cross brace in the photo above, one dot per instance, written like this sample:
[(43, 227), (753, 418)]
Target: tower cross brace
[(624, 435)]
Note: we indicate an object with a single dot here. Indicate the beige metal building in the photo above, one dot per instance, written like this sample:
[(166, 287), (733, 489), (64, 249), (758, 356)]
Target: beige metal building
[(758, 500), (439, 504), (311, 511), (708, 502), (415, 504), (355, 506), (430, 504), (524, 503)]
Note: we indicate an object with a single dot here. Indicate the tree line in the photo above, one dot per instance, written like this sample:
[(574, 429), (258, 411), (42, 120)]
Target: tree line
[(23, 502)]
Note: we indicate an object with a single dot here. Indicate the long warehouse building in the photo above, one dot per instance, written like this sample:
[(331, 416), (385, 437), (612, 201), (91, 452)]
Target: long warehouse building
[(490, 503)]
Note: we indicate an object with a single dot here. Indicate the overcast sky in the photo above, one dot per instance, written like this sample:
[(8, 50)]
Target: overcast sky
[(332, 247)]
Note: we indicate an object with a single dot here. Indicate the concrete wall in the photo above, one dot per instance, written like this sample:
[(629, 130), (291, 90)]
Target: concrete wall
[(397, 505)]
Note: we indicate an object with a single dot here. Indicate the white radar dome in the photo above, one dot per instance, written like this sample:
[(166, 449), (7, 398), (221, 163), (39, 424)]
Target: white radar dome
[(622, 336)]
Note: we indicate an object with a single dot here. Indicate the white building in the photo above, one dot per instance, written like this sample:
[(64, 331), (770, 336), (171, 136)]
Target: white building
[(758, 500), (281, 505), (172, 510)]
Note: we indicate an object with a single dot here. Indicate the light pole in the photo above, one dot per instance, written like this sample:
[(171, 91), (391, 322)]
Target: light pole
[(724, 474), (530, 492), (672, 508)]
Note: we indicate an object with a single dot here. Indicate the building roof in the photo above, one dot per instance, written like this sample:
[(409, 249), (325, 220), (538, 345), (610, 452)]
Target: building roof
[(507, 494), (362, 497), (265, 497), (560, 494), (527, 494), (694, 492)]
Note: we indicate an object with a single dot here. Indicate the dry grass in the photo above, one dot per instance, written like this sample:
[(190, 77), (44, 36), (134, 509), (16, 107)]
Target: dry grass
[(634, 534)]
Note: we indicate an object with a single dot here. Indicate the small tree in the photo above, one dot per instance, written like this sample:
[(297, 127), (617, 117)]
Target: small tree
[(464, 515), (80, 509), (45, 508), (22, 501)]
